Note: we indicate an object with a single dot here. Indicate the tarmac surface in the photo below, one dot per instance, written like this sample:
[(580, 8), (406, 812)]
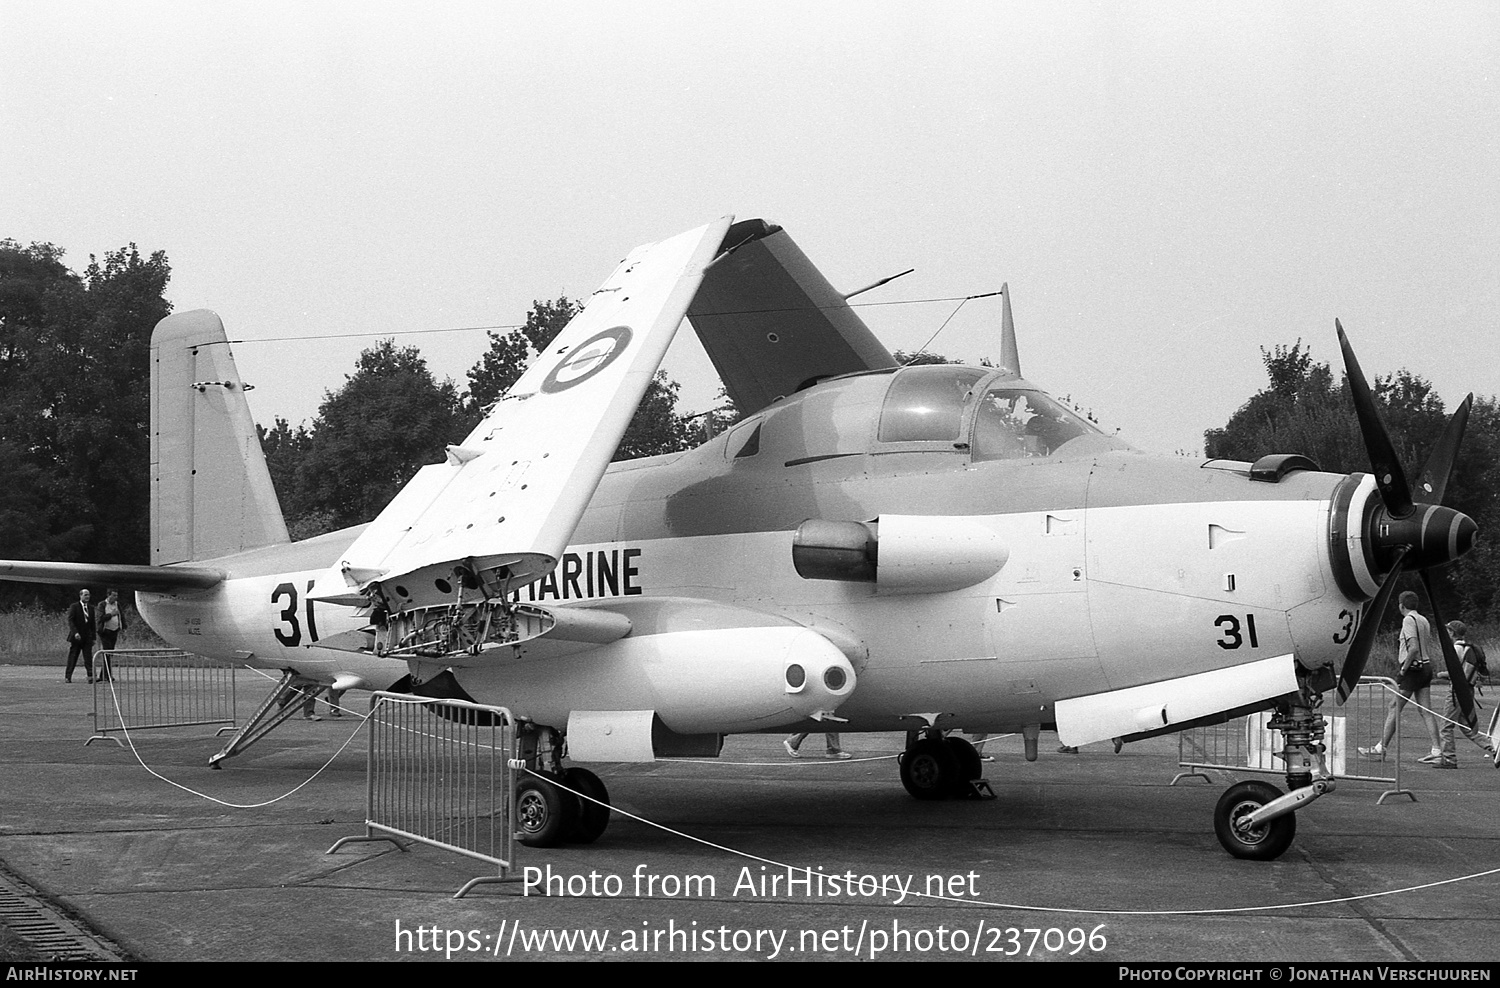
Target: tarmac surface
[(1098, 853)]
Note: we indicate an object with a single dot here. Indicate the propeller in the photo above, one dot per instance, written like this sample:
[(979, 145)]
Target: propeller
[(1406, 533)]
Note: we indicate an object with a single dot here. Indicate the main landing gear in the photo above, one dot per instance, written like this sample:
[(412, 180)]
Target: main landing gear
[(555, 805), (938, 767), (1255, 820)]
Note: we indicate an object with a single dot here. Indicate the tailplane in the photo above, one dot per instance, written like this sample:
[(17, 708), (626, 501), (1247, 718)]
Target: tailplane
[(211, 493)]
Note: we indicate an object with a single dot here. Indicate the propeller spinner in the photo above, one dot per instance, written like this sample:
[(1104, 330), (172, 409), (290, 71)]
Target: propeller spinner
[(1408, 534)]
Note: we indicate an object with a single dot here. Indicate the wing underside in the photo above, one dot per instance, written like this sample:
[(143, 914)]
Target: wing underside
[(154, 579), (500, 511), (772, 324)]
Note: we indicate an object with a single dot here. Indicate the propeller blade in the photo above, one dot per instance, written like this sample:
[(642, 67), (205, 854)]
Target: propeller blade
[(1463, 693), (1369, 625), (1441, 462), (1389, 477)]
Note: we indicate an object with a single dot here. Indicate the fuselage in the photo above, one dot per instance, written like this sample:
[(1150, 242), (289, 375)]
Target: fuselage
[(1120, 567)]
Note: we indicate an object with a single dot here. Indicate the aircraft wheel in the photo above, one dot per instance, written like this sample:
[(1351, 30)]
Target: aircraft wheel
[(1264, 843), (969, 765), (592, 818), (545, 815), (929, 768)]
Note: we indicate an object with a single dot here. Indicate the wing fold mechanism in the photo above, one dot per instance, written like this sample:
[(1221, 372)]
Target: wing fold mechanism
[(480, 631)]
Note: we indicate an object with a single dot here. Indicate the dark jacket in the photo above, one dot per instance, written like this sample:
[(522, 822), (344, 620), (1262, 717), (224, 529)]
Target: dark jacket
[(100, 617), (80, 624)]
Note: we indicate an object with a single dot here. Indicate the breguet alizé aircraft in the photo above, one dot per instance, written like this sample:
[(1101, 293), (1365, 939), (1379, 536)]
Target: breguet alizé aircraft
[(874, 547)]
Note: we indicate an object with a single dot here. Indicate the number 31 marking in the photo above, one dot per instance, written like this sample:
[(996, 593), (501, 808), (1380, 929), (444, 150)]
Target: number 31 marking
[(1347, 629), (293, 637), (1229, 624)]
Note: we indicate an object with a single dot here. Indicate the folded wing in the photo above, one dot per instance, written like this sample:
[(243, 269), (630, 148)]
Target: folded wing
[(772, 324), (500, 511)]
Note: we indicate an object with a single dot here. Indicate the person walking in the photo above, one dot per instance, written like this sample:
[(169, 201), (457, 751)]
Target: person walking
[(80, 637), (831, 739), (109, 621), (1414, 652), (1472, 661)]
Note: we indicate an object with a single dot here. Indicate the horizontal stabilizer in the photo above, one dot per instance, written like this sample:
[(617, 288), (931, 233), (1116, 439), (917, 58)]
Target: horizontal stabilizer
[(772, 324), (154, 579)]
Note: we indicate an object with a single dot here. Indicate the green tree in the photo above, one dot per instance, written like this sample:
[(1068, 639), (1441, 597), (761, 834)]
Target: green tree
[(285, 448), (389, 419), (915, 359), (1303, 410), (656, 428), (75, 400)]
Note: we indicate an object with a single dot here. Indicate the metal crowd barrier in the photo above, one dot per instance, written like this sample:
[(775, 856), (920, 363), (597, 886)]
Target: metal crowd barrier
[(439, 773), (152, 688), (1247, 745)]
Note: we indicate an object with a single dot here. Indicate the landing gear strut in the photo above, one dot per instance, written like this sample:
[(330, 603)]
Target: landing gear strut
[(281, 705), (1254, 820), (550, 804)]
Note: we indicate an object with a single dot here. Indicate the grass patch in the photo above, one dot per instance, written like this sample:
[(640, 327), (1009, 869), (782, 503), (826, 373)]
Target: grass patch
[(36, 635), (13, 948)]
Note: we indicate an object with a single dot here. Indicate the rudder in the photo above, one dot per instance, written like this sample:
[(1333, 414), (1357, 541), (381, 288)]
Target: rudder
[(211, 494)]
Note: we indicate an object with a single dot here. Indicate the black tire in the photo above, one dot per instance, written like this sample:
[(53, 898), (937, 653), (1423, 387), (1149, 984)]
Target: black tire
[(592, 818), (929, 768), (545, 815), (1265, 843), (969, 765)]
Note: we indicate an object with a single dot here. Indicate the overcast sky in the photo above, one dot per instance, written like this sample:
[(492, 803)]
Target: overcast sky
[(1166, 187)]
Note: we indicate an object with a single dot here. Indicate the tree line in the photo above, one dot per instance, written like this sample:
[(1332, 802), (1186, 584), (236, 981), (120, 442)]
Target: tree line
[(74, 420), (391, 417)]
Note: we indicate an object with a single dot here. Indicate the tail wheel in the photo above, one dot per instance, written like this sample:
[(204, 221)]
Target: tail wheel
[(545, 815), (928, 769), (1264, 843), (592, 817)]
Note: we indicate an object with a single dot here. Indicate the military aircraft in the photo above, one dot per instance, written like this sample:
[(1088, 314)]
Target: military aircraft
[(881, 548)]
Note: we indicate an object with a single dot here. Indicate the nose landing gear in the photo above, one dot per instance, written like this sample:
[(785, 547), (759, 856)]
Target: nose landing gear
[(1255, 820)]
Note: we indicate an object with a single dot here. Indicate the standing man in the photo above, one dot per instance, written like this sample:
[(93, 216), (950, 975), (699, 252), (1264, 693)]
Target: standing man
[(109, 621), (1470, 658), (1414, 653), (80, 636)]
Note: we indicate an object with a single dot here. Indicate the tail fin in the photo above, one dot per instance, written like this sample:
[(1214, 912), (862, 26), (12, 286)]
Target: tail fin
[(211, 493)]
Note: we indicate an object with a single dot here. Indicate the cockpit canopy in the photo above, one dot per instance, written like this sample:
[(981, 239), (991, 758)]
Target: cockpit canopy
[(989, 414)]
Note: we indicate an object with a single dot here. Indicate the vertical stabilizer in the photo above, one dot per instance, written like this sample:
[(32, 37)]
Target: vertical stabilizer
[(211, 493), (1010, 356)]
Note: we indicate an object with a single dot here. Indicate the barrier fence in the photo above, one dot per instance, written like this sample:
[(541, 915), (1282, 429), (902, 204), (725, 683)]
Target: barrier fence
[(148, 689), (1247, 745), (439, 773)]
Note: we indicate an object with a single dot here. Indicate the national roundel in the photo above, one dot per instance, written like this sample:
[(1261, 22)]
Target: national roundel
[(587, 359)]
